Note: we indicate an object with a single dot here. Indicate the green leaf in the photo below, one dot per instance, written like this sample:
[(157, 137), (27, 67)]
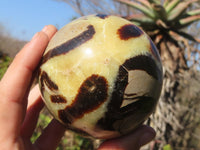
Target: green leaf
[(187, 21), (140, 18), (145, 3), (167, 147), (166, 2), (158, 2), (187, 36), (35, 136), (179, 9), (142, 21), (143, 9), (193, 12), (4, 64), (160, 12), (171, 5)]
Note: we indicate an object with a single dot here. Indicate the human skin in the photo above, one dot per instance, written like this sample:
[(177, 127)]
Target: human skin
[(20, 106)]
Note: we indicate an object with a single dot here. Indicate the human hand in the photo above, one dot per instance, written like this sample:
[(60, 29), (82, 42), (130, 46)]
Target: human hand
[(133, 141), (17, 119), (20, 107)]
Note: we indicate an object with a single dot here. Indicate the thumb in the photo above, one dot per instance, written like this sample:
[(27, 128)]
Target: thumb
[(133, 141)]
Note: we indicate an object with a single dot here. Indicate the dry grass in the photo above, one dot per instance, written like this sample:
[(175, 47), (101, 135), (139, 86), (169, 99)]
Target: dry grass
[(10, 46)]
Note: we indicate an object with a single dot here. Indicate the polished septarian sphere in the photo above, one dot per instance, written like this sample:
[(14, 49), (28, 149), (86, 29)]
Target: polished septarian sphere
[(101, 76)]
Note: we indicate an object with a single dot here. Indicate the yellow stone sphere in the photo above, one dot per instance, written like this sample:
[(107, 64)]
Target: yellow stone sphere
[(101, 76)]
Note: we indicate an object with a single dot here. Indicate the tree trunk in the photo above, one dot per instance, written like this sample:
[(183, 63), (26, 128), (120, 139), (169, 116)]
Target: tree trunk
[(177, 115)]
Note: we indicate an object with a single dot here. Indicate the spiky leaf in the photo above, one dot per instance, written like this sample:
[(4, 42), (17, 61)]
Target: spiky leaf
[(179, 9), (188, 36), (145, 3), (171, 5), (193, 12), (166, 2), (154, 1), (142, 21), (188, 20), (143, 9), (160, 12)]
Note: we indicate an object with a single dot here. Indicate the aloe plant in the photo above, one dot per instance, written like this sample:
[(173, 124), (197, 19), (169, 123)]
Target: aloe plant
[(166, 21), (170, 16)]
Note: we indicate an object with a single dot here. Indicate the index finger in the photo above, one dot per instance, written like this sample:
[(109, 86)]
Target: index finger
[(18, 76), (14, 86)]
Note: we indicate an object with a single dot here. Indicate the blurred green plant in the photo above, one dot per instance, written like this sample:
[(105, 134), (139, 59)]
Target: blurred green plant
[(70, 141), (167, 147), (4, 63), (79, 143), (43, 121)]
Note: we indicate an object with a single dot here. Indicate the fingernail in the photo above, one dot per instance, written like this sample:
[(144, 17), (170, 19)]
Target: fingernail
[(147, 137), (45, 29)]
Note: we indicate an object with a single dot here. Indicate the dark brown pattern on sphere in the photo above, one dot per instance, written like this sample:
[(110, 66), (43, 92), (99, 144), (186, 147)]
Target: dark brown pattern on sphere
[(144, 105), (132, 94), (141, 62), (145, 63), (66, 118), (91, 94), (154, 50), (41, 81), (58, 99), (70, 44), (45, 79), (129, 31), (139, 109), (115, 101), (102, 16)]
